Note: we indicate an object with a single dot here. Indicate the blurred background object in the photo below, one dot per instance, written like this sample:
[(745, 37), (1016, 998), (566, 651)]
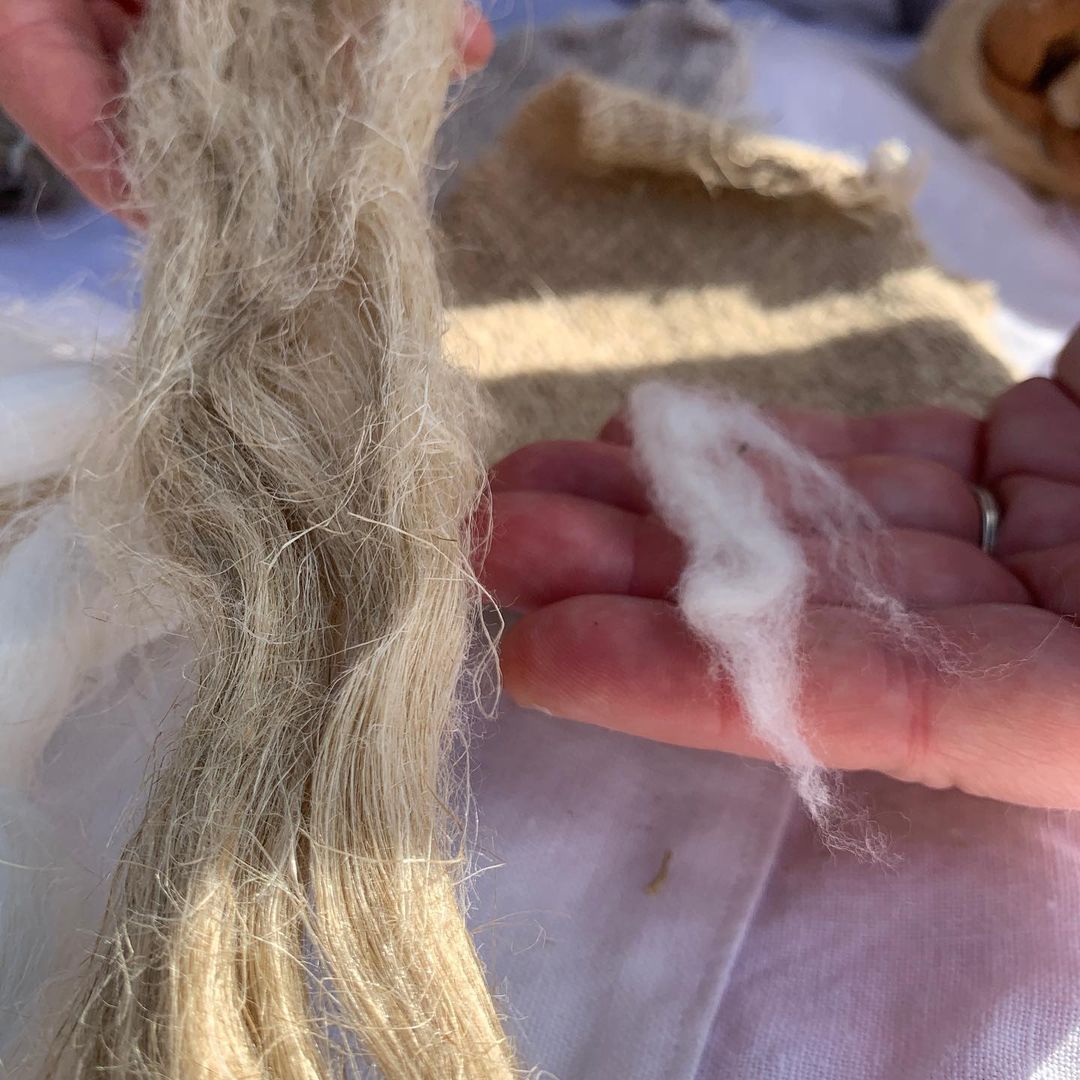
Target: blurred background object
[(29, 182), (1005, 76)]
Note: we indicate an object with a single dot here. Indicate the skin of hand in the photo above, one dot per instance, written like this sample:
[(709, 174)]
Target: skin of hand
[(575, 547), (60, 78)]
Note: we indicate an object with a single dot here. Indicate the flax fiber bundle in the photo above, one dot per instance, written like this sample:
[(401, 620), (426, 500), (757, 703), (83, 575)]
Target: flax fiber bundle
[(290, 900)]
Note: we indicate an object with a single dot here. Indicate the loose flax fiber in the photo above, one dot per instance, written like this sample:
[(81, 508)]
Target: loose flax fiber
[(292, 893)]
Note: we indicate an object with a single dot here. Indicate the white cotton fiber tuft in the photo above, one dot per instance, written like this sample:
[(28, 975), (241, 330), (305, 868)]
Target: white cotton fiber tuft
[(46, 417), (60, 627), (53, 356), (745, 500)]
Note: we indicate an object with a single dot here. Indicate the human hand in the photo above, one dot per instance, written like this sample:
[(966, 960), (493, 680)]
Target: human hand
[(60, 79), (575, 547)]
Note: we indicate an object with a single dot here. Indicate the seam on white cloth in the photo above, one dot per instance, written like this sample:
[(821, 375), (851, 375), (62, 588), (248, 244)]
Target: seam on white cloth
[(698, 1027)]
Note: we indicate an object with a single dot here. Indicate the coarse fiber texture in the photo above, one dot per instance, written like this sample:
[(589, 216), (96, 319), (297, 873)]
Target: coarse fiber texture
[(289, 906)]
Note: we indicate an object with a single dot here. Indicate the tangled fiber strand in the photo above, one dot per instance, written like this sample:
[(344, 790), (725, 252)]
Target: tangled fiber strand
[(289, 906), (748, 503)]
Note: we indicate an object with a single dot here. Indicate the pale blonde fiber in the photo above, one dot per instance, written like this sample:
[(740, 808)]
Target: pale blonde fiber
[(289, 906)]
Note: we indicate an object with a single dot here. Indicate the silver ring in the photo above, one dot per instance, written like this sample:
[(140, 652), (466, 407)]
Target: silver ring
[(990, 517)]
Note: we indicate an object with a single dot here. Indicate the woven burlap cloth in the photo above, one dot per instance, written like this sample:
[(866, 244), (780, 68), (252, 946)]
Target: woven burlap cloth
[(610, 236)]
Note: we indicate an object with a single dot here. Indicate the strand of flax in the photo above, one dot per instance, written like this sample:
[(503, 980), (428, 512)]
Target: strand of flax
[(291, 898)]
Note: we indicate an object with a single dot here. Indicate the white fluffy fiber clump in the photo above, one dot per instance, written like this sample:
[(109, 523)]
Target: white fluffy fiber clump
[(54, 355), (60, 626), (744, 499)]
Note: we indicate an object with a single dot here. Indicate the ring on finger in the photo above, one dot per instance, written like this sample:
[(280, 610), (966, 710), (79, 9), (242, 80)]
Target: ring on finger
[(989, 517)]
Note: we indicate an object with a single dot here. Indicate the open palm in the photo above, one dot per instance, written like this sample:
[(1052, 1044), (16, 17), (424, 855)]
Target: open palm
[(576, 548)]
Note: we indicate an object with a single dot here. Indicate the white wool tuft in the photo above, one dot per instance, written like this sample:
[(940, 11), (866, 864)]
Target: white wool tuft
[(46, 417), (61, 626), (744, 499), (54, 356)]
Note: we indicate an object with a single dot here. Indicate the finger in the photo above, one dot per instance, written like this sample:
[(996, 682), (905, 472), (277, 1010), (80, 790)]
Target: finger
[(931, 434), (1037, 514), (114, 24), (1034, 428), (1067, 368), (923, 570), (1052, 577), (586, 468), (914, 493), (547, 547), (58, 86), (616, 430), (476, 39), (941, 435), (909, 493), (1010, 733)]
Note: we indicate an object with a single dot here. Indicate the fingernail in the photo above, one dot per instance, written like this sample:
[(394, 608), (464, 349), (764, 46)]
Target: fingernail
[(531, 707), (475, 41)]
